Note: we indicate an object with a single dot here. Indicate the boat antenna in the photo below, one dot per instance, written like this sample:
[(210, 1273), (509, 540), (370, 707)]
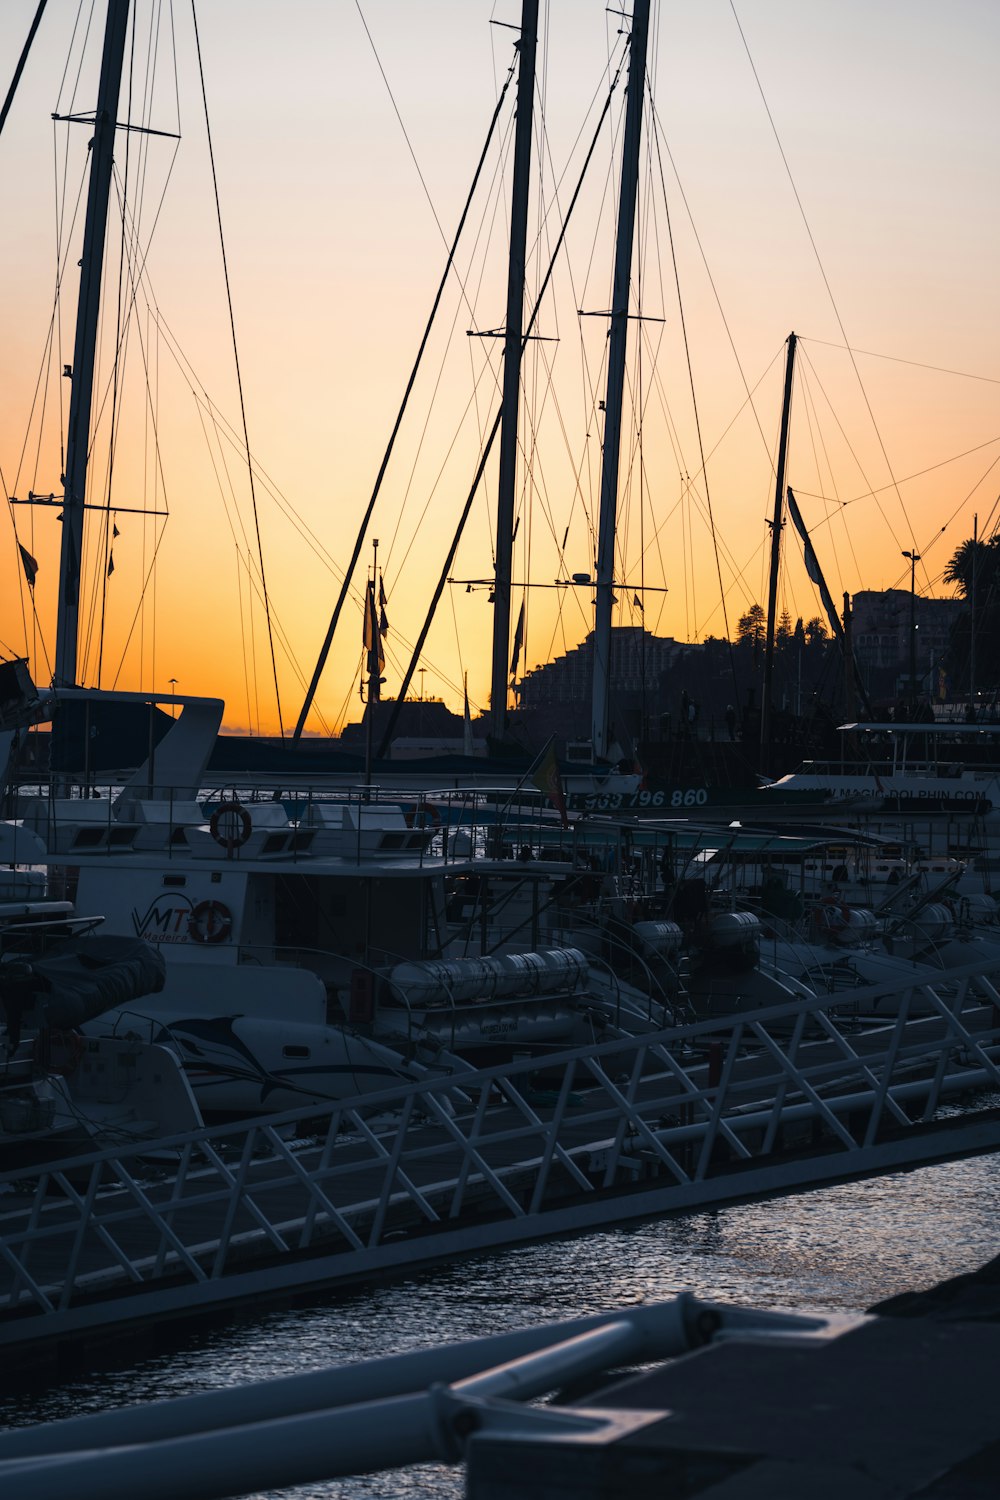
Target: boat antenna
[(512, 349)]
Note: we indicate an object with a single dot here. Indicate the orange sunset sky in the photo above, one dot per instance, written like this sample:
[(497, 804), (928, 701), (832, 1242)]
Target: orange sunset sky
[(336, 209)]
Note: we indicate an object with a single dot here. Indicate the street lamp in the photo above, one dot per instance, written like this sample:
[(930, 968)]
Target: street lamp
[(914, 559), (173, 689)]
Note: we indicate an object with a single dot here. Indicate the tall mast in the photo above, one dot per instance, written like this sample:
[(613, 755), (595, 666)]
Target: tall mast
[(776, 524), (87, 315), (513, 343), (618, 339), (972, 637)]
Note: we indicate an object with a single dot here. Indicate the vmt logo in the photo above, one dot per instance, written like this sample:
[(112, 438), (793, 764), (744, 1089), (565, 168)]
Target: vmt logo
[(166, 920)]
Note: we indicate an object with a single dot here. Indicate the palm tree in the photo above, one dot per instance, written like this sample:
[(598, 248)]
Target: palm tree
[(979, 558)]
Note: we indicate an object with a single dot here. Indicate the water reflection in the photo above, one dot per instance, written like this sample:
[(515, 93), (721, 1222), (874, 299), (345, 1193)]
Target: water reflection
[(840, 1248)]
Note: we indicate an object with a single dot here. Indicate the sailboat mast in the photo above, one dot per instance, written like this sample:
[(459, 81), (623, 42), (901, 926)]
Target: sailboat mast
[(972, 634), (776, 525), (513, 344), (84, 351), (618, 340)]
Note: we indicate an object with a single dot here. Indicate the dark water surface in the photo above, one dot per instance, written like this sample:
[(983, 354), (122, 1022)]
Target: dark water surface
[(839, 1248)]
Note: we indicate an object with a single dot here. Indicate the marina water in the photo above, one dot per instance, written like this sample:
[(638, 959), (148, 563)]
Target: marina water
[(839, 1248)]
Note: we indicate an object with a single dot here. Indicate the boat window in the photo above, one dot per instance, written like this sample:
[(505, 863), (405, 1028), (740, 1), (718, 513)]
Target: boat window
[(295, 1051), (121, 835), (274, 843), (302, 838), (393, 841)]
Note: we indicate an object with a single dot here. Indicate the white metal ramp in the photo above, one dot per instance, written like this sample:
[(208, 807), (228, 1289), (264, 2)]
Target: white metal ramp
[(762, 1101)]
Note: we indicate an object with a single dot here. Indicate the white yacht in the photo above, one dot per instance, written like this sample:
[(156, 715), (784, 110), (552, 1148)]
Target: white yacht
[(306, 957), (905, 768)]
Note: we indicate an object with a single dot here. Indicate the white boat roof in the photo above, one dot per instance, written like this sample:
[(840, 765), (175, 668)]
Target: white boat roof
[(937, 727)]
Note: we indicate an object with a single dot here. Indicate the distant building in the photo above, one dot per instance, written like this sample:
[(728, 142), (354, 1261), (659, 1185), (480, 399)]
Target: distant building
[(559, 693), (415, 747), (424, 722), (882, 638)]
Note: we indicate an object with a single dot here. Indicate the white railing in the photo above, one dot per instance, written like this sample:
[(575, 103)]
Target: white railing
[(585, 1136)]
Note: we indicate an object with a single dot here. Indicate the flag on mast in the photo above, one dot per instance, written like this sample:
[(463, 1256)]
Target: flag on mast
[(383, 618), (545, 775), (518, 642), (28, 564), (813, 568), (373, 640), (637, 602)]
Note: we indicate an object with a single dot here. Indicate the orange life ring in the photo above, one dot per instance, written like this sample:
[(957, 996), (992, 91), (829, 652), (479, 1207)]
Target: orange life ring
[(222, 825), (210, 922)]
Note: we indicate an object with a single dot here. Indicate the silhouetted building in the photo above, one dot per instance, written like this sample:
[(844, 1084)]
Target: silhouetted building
[(556, 697), (882, 638)]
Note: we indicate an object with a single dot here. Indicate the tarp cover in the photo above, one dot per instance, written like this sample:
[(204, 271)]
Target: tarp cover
[(96, 975)]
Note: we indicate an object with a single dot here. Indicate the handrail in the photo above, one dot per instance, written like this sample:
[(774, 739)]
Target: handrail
[(247, 1206)]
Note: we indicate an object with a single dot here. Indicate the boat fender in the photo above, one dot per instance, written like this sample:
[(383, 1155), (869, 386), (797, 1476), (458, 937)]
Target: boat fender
[(834, 913), (210, 922), (230, 825)]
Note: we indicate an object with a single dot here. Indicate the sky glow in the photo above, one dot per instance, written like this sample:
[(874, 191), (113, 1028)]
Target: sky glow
[(335, 241)]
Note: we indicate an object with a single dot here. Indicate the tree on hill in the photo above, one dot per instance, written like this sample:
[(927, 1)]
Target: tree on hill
[(752, 626)]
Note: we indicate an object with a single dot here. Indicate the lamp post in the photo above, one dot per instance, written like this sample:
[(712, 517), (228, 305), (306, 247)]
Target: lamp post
[(173, 689), (914, 559)]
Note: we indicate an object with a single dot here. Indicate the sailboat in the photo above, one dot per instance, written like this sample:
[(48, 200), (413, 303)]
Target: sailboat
[(308, 951)]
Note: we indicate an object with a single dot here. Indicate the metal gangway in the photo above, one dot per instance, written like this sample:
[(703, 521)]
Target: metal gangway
[(759, 1101)]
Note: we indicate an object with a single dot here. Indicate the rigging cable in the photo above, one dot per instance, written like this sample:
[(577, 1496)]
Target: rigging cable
[(236, 359), (488, 368), (40, 391), (449, 262), (812, 419), (917, 474), (5, 111), (484, 458), (118, 368), (826, 283), (533, 461), (917, 364), (694, 403), (137, 271)]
